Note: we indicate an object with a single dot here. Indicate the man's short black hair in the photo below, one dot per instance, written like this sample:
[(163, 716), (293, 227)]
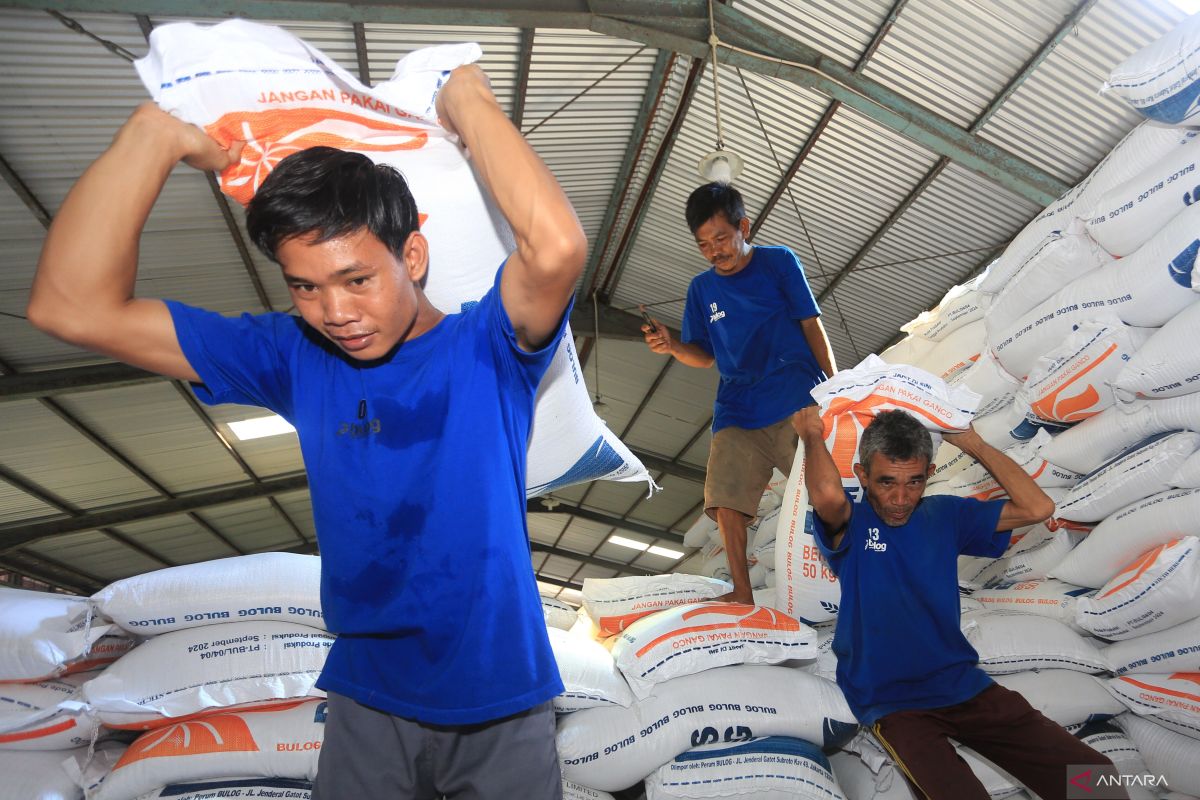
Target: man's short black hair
[(329, 193), (712, 199), (898, 436)]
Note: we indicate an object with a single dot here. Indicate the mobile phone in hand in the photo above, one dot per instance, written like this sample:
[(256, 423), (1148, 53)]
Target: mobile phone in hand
[(649, 322)]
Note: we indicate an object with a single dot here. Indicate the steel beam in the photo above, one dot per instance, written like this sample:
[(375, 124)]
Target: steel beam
[(619, 566), (16, 534), (539, 506), (657, 463), (524, 62), (22, 191), (560, 582)]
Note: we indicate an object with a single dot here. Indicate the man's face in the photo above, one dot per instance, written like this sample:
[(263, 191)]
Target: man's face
[(723, 244), (355, 291), (894, 487)]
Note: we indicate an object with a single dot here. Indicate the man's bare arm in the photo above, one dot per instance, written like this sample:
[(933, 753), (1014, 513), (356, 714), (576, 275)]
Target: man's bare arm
[(821, 476), (83, 289), (1027, 503), (540, 275), (660, 340), (818, 342)]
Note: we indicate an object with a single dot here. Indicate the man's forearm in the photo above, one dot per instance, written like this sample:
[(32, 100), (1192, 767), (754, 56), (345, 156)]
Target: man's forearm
[(692, 355), (818, 342), (1022, 490)]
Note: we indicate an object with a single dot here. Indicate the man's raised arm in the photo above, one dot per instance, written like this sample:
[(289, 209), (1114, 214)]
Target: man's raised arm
[(821, 476), (83, 290), (1027, 503), (540, 275)]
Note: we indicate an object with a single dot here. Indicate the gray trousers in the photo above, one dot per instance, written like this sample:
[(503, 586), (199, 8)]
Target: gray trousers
[(372, 755)]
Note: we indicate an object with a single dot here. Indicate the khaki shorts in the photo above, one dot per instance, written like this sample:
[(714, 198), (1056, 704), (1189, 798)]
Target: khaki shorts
[(740, 462)]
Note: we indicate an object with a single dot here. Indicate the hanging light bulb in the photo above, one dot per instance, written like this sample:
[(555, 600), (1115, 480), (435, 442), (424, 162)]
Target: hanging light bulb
[(721, 165)]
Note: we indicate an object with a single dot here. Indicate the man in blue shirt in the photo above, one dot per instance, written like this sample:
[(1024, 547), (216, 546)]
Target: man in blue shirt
[(754, 316), (904, 665), (413, 427)]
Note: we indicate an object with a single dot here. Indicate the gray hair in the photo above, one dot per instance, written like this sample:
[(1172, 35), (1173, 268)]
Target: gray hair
[(898, 436)]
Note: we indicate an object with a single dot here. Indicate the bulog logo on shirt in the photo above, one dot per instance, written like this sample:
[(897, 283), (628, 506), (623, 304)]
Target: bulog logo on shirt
[(873, 542), (716, 315)]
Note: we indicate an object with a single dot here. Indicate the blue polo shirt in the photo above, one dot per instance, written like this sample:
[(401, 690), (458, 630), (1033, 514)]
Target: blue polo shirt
[(416, 467), (750, 323), (898, 640)]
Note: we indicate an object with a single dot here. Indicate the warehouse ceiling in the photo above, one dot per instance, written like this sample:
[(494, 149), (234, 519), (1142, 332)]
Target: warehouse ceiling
[(896, 146)]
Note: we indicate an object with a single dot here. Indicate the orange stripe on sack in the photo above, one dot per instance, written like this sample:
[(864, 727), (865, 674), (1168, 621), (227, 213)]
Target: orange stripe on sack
[(275, 134), (162, 722), (1071, 409), (222, 733), (758, 619), (1138, 567), (65, 725), (1162, 690)]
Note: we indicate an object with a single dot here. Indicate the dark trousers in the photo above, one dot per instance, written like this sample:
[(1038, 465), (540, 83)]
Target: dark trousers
[(372, 755), (997, 723)]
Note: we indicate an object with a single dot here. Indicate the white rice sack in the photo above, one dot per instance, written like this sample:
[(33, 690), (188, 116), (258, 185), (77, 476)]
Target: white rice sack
[(271, 586), (1008, 642), (1160, 81), (1167, 754), (716, 566), (1132, 476), (1059, 259), (955, 354), (45, 635), (46, 715), (1037, 561), (1127, 216), (613, 748), (764, 529), (239, 80), (1160, 590), (590, 676), (204, 670), (825, 663), (1065, 696), (908, 350), (1188, 474), (280, 742), (558, 614), (976, 482), (573, 791), (700, 531), (948, 461), (1045, 598), (960, 306), (1072, 380), (986, 378), (614, 603), (235, 788), (1125, 535), (1084, 447), (978, 572), (997, 783), (1110, 741), (858, 782), (688, 639), (1175, 649), (1172, 701), (763, 768), (1145, 290), (37, 775), (1168, 363)]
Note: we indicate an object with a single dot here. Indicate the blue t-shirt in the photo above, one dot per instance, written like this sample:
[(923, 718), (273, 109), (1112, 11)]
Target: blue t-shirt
[(419, 502), (750, 323), (898, 641)]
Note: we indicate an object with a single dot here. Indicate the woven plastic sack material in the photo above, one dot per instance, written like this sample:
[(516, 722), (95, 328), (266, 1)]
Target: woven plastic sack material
[(47, 715), (1059, 259), (1124, 536), (265, 586), (573, 791), (1188, 474), (908, 350), (45, 635), (1065, 696), (237, 788), (1044, 598), (1072, 381), (1160, 590), (955, 354), (766, 768), (1086, 446), (281, 742), (1168, 363), (1042, 555), (558, 614), (1130, 477), (986, 378), (976, 482), (615, 603), (613, 748), (590, 676), (1171, 700), (204, 670), (256, 83), (962, 305), (1128, 215), (1145, 290), (1162, 80), (997, 783), (763, 531), (858, 782), (701, 531), (1175, 649), (37, 775), (689, 639), (1109, 740), (1166, 753), (1008, 643)]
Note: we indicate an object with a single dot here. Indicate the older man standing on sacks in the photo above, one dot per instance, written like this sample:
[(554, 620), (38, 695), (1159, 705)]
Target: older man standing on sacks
[(441, 677), (754, 316), (904, 665)]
